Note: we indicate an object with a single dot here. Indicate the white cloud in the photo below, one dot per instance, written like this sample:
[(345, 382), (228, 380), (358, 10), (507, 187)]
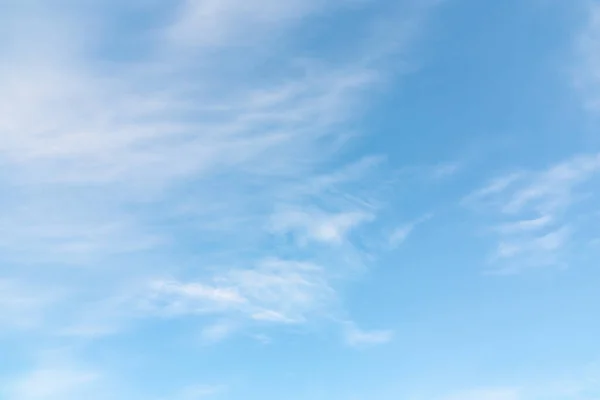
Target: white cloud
[(552, 190), (218, 331), (526, 225), (200, 298), (539, 212), (400, 234), (107, 142), (275, 291), (212, 22), (446, 170), (105, 132), (124, 166), (317, 225), (359, 338), (99, 145), (55, 378), (496, 186), (47, 384), (56, 375)]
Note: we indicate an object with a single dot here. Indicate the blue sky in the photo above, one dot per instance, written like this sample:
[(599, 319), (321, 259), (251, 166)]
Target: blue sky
[(309, 199)]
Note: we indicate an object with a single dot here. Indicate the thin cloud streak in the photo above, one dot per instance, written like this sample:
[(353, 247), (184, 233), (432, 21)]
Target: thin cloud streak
[(536, 211)]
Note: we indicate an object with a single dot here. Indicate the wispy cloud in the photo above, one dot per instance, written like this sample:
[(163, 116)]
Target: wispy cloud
[(401, 233), (52, 384), (317, 225), (537, 212), (217, 331), (275, 291), (361, 338), (209, 23), (55, 379), (446, 170), (526, 225), (142, 165), (56, 375)]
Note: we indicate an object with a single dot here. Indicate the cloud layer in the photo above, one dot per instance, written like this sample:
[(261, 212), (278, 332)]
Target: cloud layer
[(178, 182)]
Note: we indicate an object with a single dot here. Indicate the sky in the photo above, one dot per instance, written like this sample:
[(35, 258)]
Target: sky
[(299, 200)]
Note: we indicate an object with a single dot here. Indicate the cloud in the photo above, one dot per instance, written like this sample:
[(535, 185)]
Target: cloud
[(212, 22), (105, 145), (526, 225), (275, 291), (496, 186), (217, 332), (446, 170), (52, 384), (55, 378), (105, 132), (122, 166), (400, 234), (360, 338), (200, 298), (538, 212), (56, 375), (318, 226)]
